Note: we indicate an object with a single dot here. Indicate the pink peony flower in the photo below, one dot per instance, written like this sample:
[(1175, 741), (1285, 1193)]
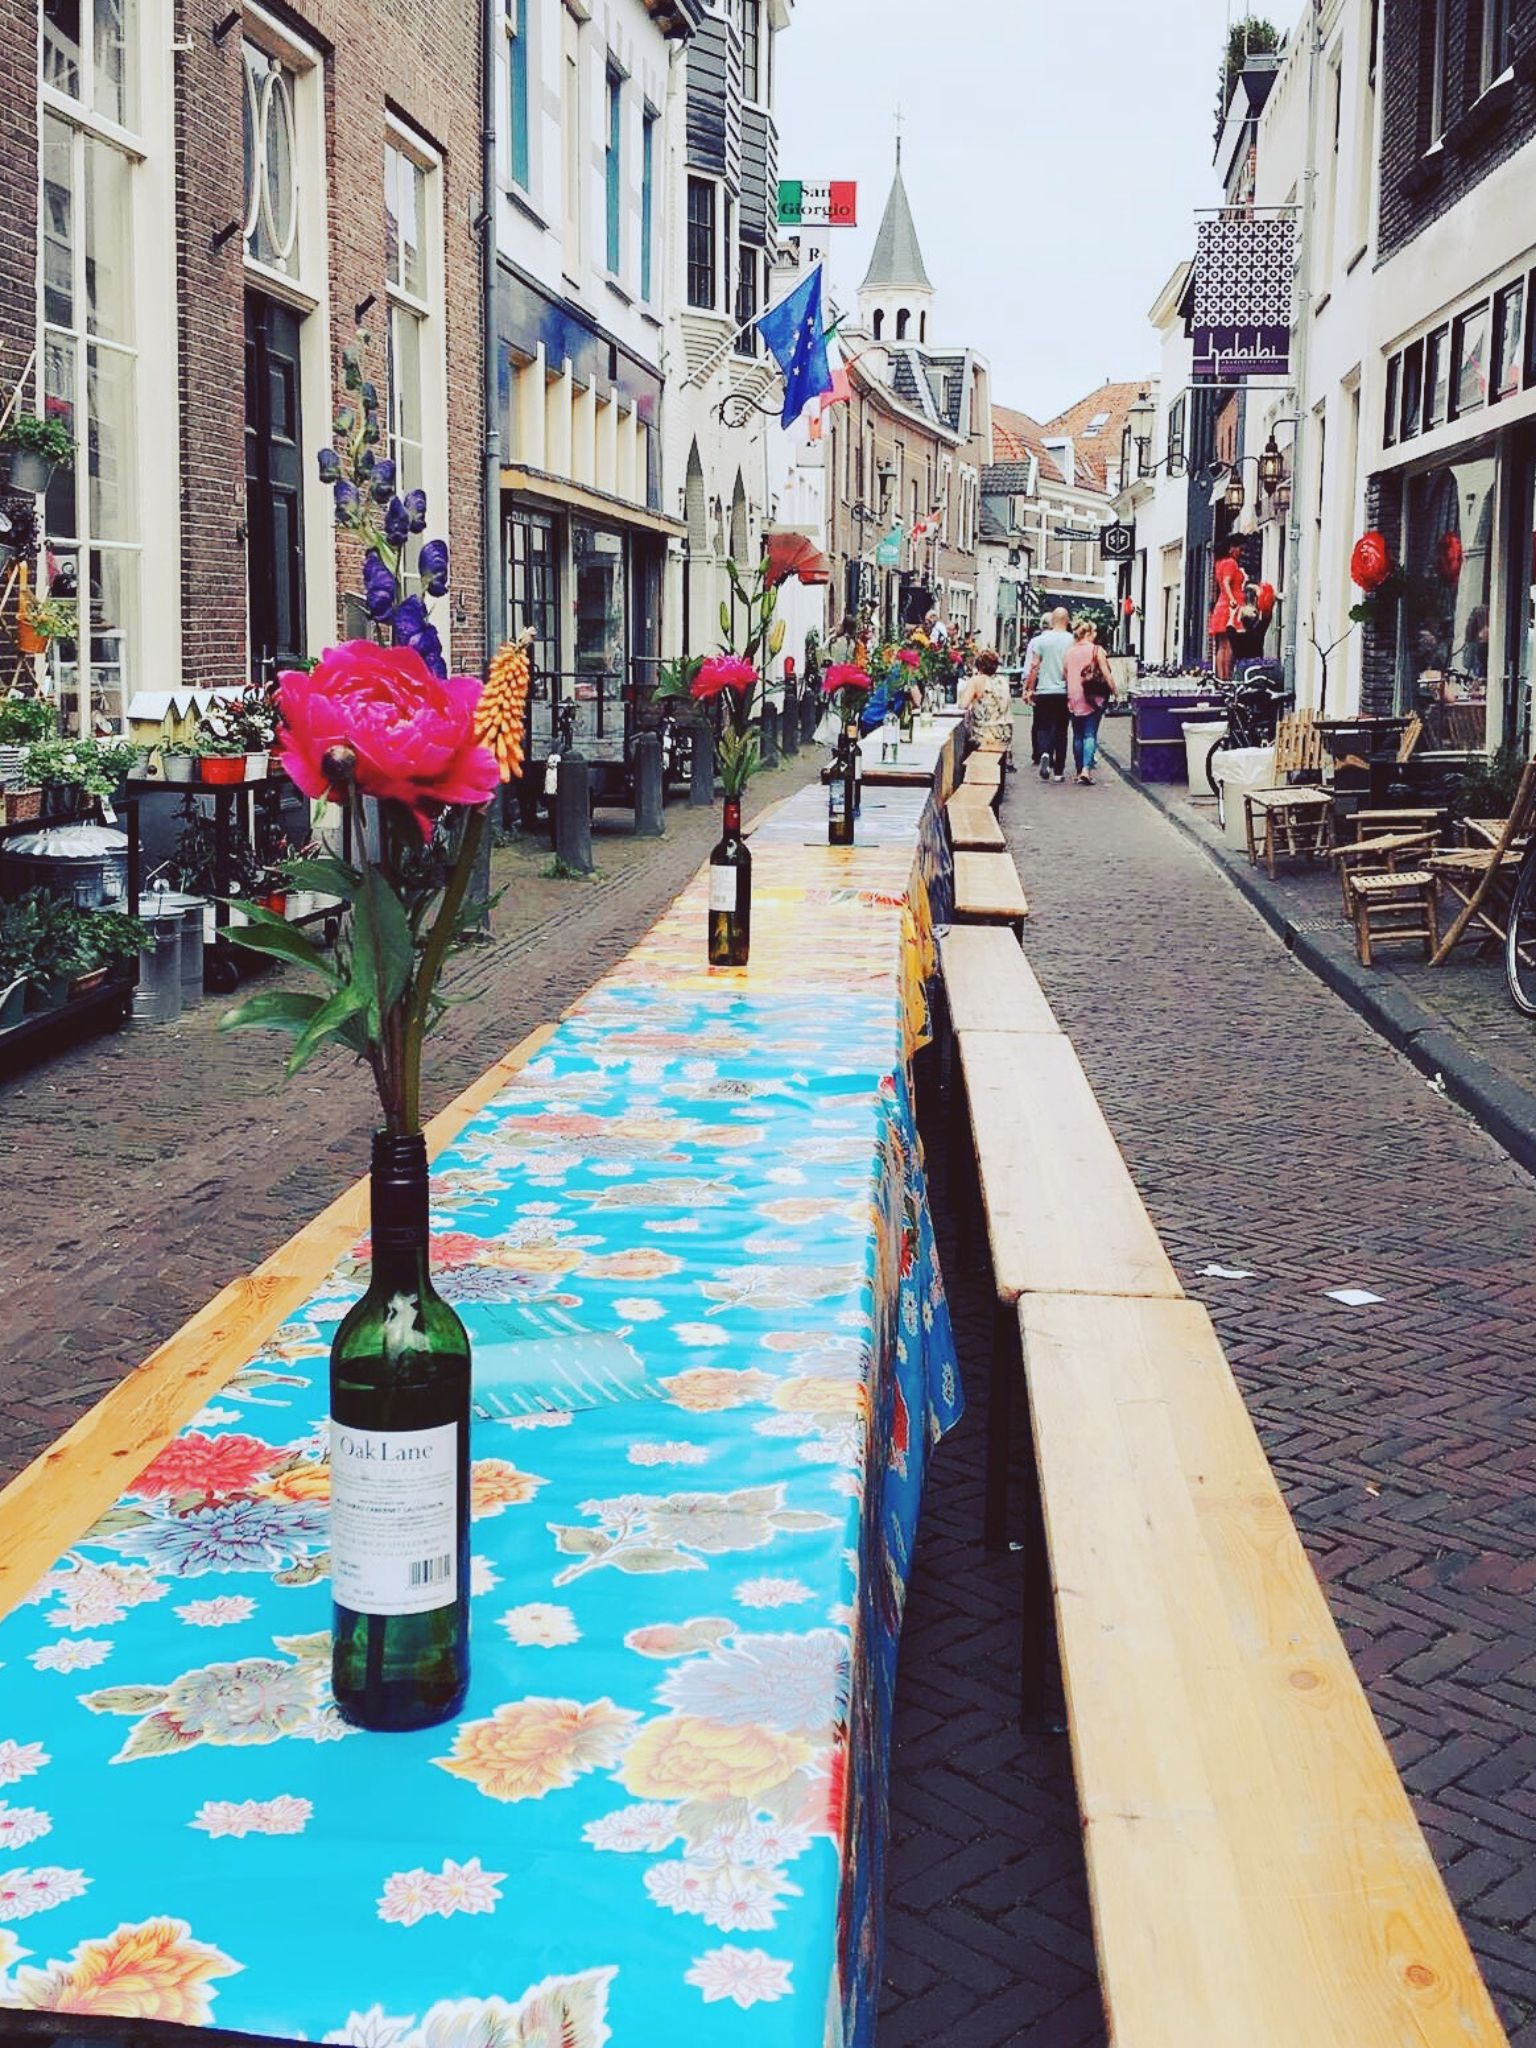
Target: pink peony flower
[(910, 657), (724, 672), (844, 675), (413, 732)]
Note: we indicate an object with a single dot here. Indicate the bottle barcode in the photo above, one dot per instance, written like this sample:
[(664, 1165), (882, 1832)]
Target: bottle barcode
[(431, 1571)]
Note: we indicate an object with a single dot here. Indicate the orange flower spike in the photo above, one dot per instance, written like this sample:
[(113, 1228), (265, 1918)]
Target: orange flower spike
[(503, 710)]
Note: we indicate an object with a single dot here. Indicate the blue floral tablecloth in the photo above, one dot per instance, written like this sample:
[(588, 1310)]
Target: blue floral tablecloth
[(660, 1818)]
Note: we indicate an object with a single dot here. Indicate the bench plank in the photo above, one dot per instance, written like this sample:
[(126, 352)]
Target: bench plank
[(984, 771), (1256, 1870), (1063, 1215), (988, 889), (973, 825), (70, 1485), (989, 985)]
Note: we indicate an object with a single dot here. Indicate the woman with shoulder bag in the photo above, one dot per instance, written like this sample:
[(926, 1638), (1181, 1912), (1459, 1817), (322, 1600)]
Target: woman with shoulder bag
[(1090, 687)]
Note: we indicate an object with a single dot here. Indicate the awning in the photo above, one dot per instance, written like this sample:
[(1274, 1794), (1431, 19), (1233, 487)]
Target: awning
[(597, 505), (792, 552)]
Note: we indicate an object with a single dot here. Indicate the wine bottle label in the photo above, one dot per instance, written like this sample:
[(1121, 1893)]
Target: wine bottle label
[(394, 1519), (724, 893)]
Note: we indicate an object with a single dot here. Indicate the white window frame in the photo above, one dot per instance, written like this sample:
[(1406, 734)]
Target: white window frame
[(1439, 81), (1489, 69), (152, 638), (427, 310), (309, 295), (572, 141)]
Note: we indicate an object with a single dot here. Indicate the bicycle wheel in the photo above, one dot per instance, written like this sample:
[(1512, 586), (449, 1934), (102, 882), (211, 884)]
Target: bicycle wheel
[(1214, 780), (1520, 940)]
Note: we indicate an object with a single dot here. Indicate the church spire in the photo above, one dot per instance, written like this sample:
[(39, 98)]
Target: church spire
[(897, 263)]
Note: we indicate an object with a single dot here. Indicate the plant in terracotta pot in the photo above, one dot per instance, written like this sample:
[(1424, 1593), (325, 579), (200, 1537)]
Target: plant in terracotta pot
[(33, 449), (220, 749), (253, 721)]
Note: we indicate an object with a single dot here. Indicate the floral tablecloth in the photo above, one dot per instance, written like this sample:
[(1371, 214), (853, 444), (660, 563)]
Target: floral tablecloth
[(661, 1816)]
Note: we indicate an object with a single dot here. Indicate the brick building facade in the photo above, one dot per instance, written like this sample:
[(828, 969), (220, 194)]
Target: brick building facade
[(226, 198)]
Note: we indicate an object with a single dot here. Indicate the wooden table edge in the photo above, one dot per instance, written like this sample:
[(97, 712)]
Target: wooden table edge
[(54, 1500)]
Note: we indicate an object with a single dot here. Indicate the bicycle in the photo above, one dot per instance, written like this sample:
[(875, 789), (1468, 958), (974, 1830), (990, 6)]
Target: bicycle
[(1520, 937), (1253, 704)]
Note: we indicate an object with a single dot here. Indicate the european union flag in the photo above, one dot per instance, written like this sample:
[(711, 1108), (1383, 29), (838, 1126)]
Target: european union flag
[(796, 336)]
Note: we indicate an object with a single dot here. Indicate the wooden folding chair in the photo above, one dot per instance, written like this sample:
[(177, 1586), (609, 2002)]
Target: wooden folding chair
[(1480, 876), (1298, 745)]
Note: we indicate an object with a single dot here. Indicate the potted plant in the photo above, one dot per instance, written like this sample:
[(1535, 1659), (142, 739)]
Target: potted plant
[(77, 772), (18, 958), (178, 760), (253, 721), (33, 450), (23, 720), (108, 942), (220, 750)]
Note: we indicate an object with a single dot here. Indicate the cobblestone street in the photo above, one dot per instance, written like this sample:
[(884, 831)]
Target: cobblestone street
[(1268, 1129), (152, 1169)]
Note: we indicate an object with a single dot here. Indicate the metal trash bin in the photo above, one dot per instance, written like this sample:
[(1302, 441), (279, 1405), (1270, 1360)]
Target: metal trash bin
[(191, 910), (157, 999), (1200, 735), (85, 864)]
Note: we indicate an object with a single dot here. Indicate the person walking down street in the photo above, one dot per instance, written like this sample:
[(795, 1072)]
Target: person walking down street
[(1045, 689), (1090, 686), (987, 702)]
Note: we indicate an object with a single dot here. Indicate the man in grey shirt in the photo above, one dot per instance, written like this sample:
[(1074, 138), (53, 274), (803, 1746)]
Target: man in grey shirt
[(1045, 689)]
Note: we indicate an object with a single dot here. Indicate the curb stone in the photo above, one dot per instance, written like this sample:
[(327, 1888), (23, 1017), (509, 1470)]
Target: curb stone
[(1506, 1111)]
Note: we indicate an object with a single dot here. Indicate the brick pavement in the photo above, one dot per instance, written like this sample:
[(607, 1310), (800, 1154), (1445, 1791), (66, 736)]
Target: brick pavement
[(1267, 1128), (145, 1172)]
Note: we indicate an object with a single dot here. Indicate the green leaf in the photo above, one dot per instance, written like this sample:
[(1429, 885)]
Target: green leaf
[(126, 1699), (268, 933), (329, 877), (276, 1009), (656, 1560), (383, 951), (328, 1022)]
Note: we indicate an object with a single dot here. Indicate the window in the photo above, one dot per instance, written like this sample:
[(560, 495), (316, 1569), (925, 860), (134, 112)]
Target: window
[(88, 50), (1393, 409), (752, 51), (1365, 141), (613, 173), (517, 91), (701, 244), (570, 130), (1508, 336), (1498, 44), (746, 300), (1469, 362), (1334, 103), (879, 326), (407, 271), (1439, 68), (271, 164), (1437, 378), (90, 373), (647, 203), (903, 321), (1413, 391), (1176, 429), (1448, 553)]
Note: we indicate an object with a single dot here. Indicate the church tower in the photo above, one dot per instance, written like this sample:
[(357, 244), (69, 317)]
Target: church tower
[(896, 297)]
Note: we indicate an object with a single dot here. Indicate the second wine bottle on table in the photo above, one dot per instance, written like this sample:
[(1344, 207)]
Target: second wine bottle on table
[(400, 1383), (730, 894), (842, 791)]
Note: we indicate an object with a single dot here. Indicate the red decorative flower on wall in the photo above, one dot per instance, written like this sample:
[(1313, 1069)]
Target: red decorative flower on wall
[(1371, 563)]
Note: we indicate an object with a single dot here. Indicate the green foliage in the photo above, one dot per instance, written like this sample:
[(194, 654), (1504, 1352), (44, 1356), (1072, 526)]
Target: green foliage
[(1485, 787), (46, 937), (558, 870), (1253, 36), (96, 766), (25, 720), (50, 439)]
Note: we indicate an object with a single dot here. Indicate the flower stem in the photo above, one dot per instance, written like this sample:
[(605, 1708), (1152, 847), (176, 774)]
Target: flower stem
[(439, 939)]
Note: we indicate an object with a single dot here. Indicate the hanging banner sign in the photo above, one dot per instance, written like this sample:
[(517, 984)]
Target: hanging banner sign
[(809, 204), (888, 552), (1245, 275)]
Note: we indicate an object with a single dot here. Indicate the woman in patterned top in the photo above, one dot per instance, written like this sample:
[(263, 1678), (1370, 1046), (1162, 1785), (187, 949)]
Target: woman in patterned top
[(987, 702)]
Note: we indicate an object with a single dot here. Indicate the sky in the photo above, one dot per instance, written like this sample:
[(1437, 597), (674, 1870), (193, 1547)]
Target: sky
[(1054, 153)]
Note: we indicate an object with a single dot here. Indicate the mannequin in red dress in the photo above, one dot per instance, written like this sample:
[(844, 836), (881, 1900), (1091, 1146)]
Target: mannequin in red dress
[(1231, 596)]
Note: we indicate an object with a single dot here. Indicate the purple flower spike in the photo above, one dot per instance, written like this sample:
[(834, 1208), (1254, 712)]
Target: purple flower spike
[(379, 588), (346, 501), (416, 506), (397, 524), (329, 463), (432, 565), (383, 486)]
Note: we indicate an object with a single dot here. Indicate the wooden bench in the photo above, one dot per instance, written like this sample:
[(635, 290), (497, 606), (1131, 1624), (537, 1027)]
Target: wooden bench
[(973, 825), (989, 985), (984, 772), (1062, 1213), (988, 891), (1256, 1871)]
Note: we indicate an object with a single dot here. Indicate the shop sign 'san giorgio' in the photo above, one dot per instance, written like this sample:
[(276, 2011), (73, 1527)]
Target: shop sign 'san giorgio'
[(1245, 267)]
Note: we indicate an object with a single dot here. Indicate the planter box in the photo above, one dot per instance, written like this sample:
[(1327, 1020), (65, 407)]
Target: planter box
[(21, 806), (82, 984), (179, 767), (221, 770)]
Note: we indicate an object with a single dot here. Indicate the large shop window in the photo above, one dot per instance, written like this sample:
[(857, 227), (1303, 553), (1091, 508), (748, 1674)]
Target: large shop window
[(1446, 627), (90, 372)]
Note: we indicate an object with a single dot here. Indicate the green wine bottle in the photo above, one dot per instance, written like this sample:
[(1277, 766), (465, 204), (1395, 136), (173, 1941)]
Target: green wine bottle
[(842, 792), (400, 1384), (730, 894), (906, 714)]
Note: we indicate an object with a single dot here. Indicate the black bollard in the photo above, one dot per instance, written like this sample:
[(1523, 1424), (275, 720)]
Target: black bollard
[(789, 736), (769, 743), (650, 800), (810, 717), (701, 785), (573, 815)]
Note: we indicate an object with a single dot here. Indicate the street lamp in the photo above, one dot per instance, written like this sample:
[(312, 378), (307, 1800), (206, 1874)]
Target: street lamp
[(1235, 498), (1141, 419), (1282, 496), (1271, 465)]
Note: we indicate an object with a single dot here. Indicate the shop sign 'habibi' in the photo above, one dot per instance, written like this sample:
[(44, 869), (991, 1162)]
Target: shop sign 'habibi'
[(1245, 268)]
